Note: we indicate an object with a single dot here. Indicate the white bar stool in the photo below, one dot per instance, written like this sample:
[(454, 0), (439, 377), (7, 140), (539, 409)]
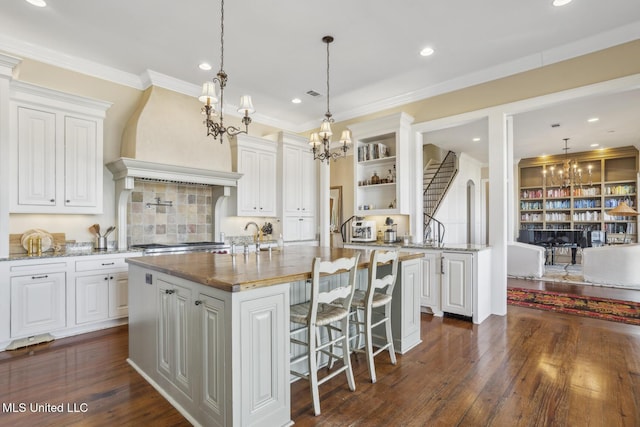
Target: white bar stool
[(330, 310), (375, 306)]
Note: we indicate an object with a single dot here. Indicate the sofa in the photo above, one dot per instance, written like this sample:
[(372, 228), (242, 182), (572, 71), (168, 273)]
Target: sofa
[(525, 260), (614, 265)]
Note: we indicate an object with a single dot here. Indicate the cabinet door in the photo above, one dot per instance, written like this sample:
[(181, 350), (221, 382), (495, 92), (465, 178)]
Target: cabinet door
[(213, 394), (36, 158), (308, 191), (92, 298), (37, 303), (298, 228), (175, 335), (118, 294), (457, 283), (430, 294), (267, 184), (81, 159), (307, 228), (248, 185), (292, 182)]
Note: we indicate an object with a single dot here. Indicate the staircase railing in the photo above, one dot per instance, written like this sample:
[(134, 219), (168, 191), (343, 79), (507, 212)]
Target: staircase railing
[(435, 191), (440, 229)]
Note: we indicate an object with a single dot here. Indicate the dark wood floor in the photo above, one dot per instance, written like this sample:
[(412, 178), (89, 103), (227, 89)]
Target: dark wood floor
[(528, 368)]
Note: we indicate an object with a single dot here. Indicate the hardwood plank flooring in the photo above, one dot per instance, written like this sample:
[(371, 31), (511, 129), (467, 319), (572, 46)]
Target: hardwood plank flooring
[(528, 368)]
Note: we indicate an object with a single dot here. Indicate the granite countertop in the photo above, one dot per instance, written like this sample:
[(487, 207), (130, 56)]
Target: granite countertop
[(465, 247), (62, 254), (240, 272)]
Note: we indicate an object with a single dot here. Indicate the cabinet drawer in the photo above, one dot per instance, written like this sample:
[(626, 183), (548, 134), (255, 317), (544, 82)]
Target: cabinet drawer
[(38, 268), (101, 264)]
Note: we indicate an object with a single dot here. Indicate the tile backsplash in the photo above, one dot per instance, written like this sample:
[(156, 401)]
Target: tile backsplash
[(189, 219)]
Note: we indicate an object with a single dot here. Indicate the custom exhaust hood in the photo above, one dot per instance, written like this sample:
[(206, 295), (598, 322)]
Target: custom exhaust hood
[(164, 141)]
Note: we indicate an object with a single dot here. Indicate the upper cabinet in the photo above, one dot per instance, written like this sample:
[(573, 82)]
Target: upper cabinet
[(56, 152), (297, 188), (606, 178), (382, 165), (255, 159)]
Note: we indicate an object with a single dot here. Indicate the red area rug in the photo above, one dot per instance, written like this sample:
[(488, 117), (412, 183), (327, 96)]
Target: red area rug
[(599, 308)]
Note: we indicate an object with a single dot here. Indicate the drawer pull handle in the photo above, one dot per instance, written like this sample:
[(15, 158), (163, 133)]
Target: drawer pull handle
[(198, 302), (39, 277), (106, 278), (169, 291), (108, 263)]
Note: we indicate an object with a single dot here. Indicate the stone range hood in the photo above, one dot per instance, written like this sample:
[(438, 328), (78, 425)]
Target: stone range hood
[(164, 140), (126, 170)]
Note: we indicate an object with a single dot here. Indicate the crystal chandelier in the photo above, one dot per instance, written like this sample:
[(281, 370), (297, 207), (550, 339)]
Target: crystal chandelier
[(321, 141), (209, 97), (569, 174)]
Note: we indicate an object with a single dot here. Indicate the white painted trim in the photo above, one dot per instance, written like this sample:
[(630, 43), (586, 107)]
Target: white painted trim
[(585, 46), (41, 96)]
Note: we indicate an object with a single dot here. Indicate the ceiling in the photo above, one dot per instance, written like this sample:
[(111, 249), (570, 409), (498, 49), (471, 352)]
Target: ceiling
[(273, 51)]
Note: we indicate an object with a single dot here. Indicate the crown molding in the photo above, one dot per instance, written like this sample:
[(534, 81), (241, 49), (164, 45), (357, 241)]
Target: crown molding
[(588, 45)]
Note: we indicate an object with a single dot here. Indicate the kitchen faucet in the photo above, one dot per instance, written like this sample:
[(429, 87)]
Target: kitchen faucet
[(256, 236)]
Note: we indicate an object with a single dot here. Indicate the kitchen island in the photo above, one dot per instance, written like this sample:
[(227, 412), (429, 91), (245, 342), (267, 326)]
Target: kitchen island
[(211, 331)]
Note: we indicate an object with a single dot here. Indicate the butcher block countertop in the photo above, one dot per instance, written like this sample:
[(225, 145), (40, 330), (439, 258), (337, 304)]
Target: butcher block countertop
[(244, 272)]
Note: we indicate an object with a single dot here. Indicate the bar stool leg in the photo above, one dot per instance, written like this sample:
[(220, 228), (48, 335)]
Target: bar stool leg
[(392, 352), (346, 354), (313, 369), (369, 344)]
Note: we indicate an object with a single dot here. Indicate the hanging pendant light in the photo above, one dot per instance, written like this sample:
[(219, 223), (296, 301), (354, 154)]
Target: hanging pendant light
[(209, 97), (321, 141)]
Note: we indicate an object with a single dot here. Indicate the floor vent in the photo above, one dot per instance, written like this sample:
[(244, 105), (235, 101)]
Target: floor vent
[(26, 342)]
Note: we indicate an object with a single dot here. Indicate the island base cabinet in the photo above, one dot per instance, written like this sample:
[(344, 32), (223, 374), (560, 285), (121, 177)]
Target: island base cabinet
[(233, 347), (405, 311), (175, 335), (430, 295)]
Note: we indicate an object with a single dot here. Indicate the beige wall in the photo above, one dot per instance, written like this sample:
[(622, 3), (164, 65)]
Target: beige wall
[(608, 64), (619, 61)]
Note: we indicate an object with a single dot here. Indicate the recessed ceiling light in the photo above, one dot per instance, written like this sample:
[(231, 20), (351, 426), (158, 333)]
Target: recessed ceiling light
[(476, 139), (593, 120), (204, 66), (38, 3), (594, 145), (427, 51), (559, 3), (296, 100)]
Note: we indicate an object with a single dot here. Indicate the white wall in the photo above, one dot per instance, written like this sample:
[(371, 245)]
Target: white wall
[(453, 210)]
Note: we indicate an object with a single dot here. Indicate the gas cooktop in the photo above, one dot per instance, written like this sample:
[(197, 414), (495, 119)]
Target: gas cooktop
[(181, 247)]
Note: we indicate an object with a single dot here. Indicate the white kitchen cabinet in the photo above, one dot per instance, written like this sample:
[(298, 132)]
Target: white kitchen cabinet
[(255, 159), (175, 335), (37, 303), (63, 295), (457, 281), (299, 181), (298, 228), (101, 288), (298, 188), (101, 297), (56, 151)]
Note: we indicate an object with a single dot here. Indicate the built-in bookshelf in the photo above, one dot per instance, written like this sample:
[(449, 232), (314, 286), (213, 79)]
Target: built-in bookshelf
[(605, 179)]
